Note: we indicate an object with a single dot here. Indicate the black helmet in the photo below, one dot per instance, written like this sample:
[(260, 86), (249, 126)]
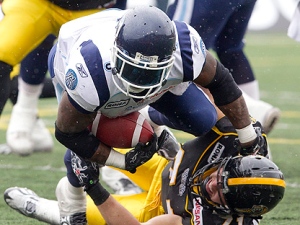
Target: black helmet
[(251, 185), (142, 54)]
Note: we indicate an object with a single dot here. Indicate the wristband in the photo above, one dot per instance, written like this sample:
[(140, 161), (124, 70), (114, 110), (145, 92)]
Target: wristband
[(98, 193), (116, 159), (246, 134)]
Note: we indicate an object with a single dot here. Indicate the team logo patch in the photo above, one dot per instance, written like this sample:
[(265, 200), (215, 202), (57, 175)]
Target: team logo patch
[(71, 80)]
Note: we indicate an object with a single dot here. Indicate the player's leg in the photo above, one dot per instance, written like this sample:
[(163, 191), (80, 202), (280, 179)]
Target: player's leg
[(71, 198), (191, 111), (24, 37), (28, 203), (18, 39), (26, 132), (69, 192), (5, 70), (230, 49), (222, 28)]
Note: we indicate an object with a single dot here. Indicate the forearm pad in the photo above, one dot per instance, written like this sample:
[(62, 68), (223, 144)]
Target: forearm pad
[(83, 143), (223, 87)]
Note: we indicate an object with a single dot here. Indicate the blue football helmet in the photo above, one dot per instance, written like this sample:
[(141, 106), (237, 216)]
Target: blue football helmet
[(251, 185), (142, 55)]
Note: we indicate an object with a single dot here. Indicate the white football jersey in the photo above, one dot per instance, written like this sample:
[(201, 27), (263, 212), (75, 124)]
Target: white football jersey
[(82, 64)]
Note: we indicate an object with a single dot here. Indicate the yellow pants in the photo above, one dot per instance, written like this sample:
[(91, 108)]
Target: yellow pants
[(27, 23), (143, 206)]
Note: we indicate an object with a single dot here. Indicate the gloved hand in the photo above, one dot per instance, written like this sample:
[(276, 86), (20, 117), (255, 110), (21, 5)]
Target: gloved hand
[(259, 146), (168, 145), (88, 175), (142, 153), (87, 172)]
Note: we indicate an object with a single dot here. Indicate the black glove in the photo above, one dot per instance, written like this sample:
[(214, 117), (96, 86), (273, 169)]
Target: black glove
[(86, 171), (168, 145), (259, 146), (142, 153)]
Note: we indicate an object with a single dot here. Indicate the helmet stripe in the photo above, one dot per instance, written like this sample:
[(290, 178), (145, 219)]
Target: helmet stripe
[(256, 180)]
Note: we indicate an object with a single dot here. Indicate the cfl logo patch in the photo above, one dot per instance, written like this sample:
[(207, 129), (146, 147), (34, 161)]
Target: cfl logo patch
[(71, 80)]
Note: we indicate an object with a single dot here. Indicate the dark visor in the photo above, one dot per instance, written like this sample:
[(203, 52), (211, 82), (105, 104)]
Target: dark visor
[(139, 76)]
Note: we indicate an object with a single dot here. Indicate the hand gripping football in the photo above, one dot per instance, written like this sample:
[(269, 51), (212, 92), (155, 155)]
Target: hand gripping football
[(122, 132)]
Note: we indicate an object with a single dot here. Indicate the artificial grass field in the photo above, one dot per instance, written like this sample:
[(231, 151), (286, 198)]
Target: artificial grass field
[(276, 62)]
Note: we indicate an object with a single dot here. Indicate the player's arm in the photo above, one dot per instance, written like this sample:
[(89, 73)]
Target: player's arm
[(115, 214), (227, 96), (71, 130)]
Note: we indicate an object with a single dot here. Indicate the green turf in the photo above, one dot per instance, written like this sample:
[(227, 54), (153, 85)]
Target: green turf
[(275, 59)]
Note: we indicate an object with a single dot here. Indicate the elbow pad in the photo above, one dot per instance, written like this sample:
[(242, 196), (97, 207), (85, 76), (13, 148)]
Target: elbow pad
[(84, 143), (223, 87)]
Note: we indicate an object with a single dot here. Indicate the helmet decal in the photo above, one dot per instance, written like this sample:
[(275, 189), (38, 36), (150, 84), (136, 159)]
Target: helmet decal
[(151, 59), (256, 180), (256, 210)]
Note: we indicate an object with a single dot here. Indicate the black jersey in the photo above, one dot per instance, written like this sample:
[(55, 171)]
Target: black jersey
[(216, 144)]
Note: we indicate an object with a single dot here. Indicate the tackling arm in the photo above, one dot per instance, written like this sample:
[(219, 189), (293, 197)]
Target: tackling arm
[(227, 95)]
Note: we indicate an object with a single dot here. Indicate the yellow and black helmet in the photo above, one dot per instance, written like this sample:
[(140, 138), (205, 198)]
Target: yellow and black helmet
[(247, 185)]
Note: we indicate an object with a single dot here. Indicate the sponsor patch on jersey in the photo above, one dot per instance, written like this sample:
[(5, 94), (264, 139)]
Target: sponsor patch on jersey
[(216, 152), (117, 104), (196, 46), (71, 79), (81, 70), (197, 211), (182, 185)]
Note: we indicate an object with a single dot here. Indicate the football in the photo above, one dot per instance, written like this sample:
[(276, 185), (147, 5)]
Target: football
[(122, 132)]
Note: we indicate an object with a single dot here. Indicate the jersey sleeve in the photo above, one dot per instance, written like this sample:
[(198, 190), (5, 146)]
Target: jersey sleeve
[(190, 52), (84, 51), (85, 78)]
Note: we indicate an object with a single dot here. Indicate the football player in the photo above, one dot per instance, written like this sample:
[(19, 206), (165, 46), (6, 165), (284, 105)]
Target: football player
[(209, 182), (143, 58)]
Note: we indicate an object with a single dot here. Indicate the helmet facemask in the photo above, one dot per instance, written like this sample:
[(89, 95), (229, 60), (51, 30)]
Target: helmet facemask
[(199, 181), (142, 55), (142, 76), (249, 186)]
